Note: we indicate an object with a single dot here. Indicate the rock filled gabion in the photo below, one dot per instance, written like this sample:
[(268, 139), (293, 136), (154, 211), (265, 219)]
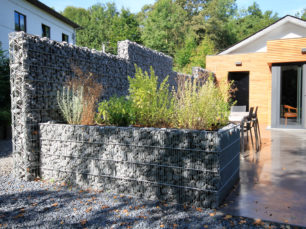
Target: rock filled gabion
[(182, 166), (146, 58), (40, 67)]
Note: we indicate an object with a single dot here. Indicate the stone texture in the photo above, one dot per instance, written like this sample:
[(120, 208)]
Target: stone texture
[(182, 166), (40, 66)]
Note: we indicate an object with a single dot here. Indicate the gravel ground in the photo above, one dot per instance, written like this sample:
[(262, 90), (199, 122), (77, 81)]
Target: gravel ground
[(6, 160), (41, 204)]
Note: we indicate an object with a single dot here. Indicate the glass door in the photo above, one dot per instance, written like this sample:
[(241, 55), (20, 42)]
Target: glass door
[(288, 96)]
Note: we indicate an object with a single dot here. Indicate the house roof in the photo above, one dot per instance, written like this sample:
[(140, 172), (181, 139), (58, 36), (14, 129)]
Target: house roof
[(265, 31), (51, 11)]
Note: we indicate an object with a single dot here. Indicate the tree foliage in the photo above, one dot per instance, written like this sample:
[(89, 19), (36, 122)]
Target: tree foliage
[(103, 24), (188, 30), (301, 14), (250, 21), (163, 26), (192, 7), (183, 55), (198, 56)]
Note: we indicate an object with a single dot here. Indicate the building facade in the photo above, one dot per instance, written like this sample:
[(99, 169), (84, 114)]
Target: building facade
[(35, 18), (269, 71)]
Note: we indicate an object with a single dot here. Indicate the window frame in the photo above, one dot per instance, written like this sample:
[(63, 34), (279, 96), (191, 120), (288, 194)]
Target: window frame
[(19, 25), (42, 30), (65, 35)]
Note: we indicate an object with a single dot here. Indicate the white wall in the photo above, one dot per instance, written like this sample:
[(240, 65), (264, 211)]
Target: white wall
[(34, 18), (285, 31)]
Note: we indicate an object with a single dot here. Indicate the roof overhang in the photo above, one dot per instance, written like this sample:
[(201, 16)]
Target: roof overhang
[(51, 11)]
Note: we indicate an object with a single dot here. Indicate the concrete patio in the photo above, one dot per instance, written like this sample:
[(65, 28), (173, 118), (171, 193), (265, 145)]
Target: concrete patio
[(273, 181)]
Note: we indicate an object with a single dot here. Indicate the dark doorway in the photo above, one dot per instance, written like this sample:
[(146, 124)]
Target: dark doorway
[(291, 95), (241, 83)]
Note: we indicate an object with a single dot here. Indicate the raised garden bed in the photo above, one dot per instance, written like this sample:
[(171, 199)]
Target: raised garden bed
[(191, 167)]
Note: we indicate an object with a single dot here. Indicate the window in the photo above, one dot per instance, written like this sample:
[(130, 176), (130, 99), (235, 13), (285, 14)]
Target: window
[(65, 37), (45, 31), (20, 22)]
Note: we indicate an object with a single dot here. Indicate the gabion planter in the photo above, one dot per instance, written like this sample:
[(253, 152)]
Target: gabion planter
[(191, 167), (40, 67)]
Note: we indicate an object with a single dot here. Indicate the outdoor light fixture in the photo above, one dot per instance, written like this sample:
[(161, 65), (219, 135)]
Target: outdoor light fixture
[(303, 50), (238, 63)]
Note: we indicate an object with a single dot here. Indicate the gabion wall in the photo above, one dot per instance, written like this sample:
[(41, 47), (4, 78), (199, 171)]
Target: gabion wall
[(40, 66), (182, 166)]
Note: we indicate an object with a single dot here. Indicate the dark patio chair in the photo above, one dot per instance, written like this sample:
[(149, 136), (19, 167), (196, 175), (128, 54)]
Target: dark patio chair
[(255, 126), (248, 125)]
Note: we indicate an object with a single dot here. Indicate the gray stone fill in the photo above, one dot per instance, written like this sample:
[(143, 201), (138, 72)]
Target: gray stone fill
[(182, 166), (39, 68), (148, 162)]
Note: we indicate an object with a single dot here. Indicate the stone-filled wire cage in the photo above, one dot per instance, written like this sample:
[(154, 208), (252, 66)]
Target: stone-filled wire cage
[(190, 167), (166, 164), (40, 67)]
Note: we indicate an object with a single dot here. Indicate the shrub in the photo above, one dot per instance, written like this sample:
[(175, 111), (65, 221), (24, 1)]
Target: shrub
[(152, 104), (70, 101), (92, 91), (197, 103), (116, 111), (201, 105)]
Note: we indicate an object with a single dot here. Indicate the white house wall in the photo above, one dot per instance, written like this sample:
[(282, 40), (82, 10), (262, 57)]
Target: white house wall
[(34, 18), (286, 28)]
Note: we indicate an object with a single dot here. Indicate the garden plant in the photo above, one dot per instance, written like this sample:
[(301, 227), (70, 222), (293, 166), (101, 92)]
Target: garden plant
[(195, 104)]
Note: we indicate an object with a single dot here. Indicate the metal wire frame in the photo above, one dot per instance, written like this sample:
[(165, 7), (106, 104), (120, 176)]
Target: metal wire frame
[(21, 84), (162, 181), (146, 146), (137, 180)]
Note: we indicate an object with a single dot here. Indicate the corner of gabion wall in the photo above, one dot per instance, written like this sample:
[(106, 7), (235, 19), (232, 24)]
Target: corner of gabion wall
[(40, 67)]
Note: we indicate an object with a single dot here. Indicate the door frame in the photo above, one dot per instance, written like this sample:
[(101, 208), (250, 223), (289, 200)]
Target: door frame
[(275, 99), (248, 77)]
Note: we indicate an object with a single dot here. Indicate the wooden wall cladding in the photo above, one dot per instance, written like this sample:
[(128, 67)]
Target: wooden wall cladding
[(259, 75), (286, 50)]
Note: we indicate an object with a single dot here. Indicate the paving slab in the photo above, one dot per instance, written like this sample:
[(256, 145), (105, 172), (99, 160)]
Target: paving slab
[(273, 181)]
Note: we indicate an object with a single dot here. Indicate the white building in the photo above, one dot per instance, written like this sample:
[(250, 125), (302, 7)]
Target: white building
[(35, 18)]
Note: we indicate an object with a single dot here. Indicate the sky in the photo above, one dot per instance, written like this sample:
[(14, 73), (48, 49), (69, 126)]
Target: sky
[(282, 7)]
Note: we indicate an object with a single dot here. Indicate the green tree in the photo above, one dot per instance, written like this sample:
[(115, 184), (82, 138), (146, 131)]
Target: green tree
[(301, 14), (183, 55), (81, 17), (125, 26), (250, 21), (103, 24), (304, 14), (192, 7), (212, 22), (163, 27), (208, 33), (198, 55)]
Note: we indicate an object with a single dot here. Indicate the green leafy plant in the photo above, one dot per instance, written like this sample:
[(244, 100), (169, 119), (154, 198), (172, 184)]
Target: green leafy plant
[(70, 101), (116, 111), (152, 102), (201, 105), (197, 104)]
